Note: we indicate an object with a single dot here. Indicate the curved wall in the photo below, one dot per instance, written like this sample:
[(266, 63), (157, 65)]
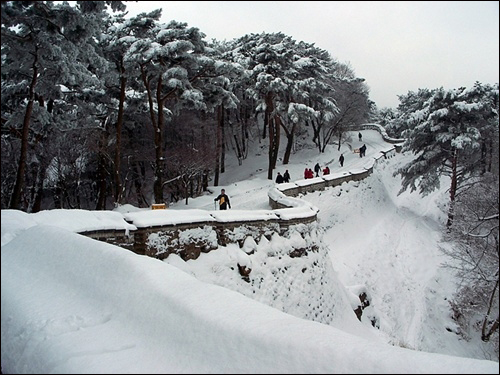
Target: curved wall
[(161, 240)]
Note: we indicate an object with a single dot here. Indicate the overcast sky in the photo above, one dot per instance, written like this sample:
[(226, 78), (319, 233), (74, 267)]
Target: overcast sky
[(397, 46)]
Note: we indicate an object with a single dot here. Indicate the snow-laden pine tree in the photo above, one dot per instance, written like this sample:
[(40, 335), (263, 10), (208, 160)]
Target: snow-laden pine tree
[(219, 81), (122, 89), (313, 91), (400, 120), (49, 59), (446, 133), (281, 75), (169, 58)]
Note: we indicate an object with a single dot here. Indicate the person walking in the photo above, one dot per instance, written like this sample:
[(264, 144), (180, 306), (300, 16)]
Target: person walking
[(223, 200), (286, 176), (341, 160), (317, 168), (279, 178), (362, 151), (360, 136)]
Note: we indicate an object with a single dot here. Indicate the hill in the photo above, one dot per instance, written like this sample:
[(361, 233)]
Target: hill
[(71, 304)]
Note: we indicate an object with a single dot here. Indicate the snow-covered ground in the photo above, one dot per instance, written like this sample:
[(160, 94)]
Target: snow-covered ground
[(71, 304), (384, 244)]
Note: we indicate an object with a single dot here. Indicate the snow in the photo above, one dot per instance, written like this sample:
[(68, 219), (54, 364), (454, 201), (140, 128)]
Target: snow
[(71, 304)]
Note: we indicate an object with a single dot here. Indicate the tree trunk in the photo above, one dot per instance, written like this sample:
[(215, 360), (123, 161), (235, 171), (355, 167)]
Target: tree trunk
[(218, 146), (238, 149), (276, 143), (101, 183), (157, 124), (316, 133), (38, 190), (490, 155), (58, 193), (289, 143), (101, 167), (138, 180), (485, 332), (271, 147), (244, 133), (119, 124), (159, 152), (15, 199), (223, 143), (273, 127), (205, 180), (264, 129), (453, 188), (185, 184)]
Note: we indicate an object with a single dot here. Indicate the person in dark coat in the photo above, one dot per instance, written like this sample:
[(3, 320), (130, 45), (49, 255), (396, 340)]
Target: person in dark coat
[(223, 200), (341, 160), (360, 136), (362, 151), (317, 168), (279, 178), (286, 176)]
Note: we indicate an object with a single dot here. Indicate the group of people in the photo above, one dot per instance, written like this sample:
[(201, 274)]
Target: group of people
[(308, 172), (283, 178)]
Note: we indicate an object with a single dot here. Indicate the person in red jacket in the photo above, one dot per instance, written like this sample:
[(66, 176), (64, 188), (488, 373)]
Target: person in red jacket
[(326, 171)]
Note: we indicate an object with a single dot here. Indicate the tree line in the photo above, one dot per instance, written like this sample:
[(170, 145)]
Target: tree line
[(453, 136), (99, 109)]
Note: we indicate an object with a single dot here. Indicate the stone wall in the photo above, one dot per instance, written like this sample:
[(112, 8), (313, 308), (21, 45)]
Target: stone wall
[(117, 237), (189, 240)]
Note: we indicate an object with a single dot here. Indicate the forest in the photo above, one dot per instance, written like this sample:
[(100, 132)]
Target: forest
[(100, 109)]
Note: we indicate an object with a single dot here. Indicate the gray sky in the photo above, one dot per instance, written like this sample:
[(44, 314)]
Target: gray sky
[(397, 46)]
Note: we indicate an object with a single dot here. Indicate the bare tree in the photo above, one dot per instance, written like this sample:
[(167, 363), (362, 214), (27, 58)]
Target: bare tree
[(475, 257)]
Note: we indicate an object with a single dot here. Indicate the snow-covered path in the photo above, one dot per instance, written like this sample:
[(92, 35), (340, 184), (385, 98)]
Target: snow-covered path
[(247, 186), (409, 303)]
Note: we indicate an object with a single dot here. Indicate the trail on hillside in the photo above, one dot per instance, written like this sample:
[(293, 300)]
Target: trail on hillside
[(247, 185), (393, 251), (383, 242)]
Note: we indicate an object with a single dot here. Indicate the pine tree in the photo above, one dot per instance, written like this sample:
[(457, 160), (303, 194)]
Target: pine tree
[(120, 34), (169, 58), (281, 75), (444, 133), (48, 51)]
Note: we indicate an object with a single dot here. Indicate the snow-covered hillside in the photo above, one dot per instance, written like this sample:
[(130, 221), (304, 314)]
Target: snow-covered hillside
[(71, 304)]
